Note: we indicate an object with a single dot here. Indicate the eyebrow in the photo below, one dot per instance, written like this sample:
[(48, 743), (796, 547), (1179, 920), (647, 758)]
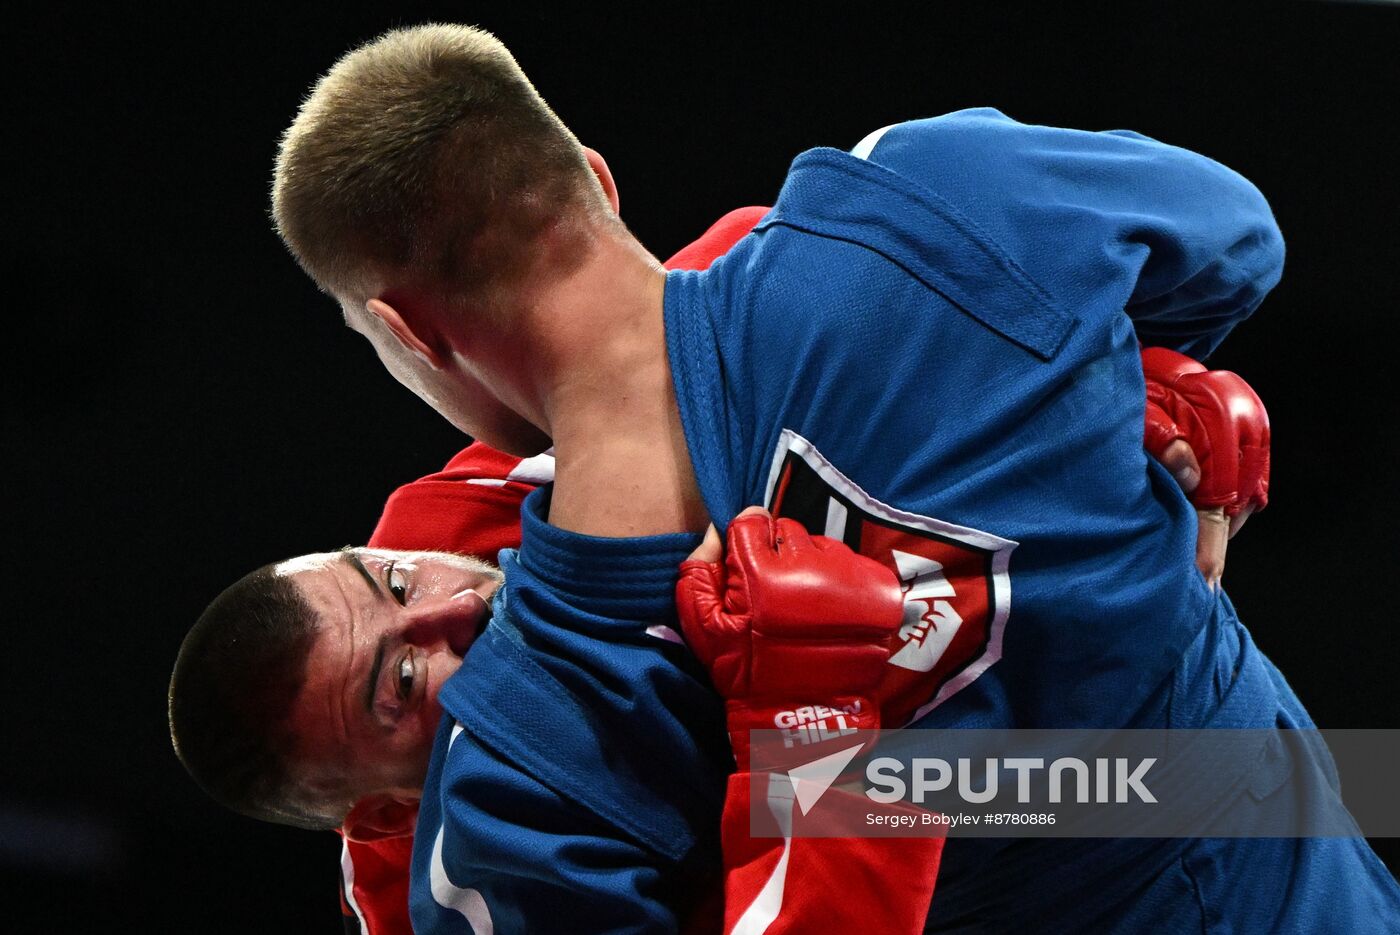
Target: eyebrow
[(374, 673), (353, 558), (356, 563)]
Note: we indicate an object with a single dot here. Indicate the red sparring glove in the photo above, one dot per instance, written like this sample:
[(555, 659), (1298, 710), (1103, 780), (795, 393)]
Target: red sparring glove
[(1220, 417), (794, 630)]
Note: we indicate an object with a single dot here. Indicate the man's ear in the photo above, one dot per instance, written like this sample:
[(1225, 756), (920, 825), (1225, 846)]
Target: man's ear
[(600, 169), (380, 816), (413, 342)]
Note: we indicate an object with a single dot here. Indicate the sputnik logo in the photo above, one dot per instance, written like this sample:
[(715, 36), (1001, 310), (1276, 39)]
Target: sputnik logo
[(811, 780)]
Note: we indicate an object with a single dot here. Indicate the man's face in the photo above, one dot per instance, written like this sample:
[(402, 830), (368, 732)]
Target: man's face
[(393, 626), (459, 395), (410, 369)]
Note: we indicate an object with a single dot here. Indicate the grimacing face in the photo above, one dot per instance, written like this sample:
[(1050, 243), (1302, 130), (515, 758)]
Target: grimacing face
[(392, 627)]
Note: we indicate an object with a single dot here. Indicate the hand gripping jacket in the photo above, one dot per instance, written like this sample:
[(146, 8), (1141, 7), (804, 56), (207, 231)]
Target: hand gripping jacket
[(789, 621), (794, 630), (1220, 417)]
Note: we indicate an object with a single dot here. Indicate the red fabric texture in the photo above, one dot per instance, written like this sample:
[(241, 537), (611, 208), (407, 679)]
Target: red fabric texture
[(446, 512), (865, 884), (716, 241)]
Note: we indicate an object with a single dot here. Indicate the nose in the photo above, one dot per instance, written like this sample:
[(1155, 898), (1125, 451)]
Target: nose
[(452, 621)]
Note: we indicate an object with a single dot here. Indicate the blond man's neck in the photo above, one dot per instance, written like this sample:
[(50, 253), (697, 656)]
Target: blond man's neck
[(608, 402)]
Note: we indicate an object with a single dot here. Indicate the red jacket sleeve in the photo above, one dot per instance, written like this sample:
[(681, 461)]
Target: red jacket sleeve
[(777, 882)]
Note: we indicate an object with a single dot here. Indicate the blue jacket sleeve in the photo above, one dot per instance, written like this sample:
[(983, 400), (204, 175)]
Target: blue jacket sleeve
[(520, 854), (576, 785), (1077, 209)]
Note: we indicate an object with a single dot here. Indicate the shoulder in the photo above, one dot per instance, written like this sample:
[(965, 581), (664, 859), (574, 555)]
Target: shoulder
[(982, 142)]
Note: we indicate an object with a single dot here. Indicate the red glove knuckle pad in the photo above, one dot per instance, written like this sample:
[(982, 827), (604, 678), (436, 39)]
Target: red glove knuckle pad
[(794, 632), (1220, 417)]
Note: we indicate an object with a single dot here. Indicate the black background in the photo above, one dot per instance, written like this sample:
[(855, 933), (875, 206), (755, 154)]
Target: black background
[(181, 405)]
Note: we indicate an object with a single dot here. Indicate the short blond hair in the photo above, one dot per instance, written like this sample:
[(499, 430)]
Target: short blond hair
[(426, 151)]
